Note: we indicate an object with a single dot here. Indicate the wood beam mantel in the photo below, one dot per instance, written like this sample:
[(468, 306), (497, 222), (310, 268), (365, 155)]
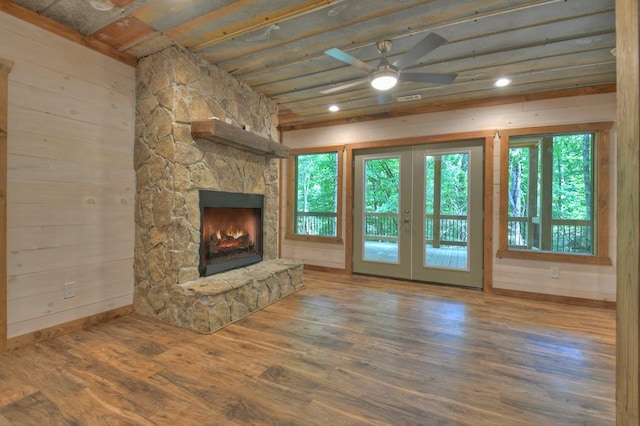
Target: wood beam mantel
[(218, 131)]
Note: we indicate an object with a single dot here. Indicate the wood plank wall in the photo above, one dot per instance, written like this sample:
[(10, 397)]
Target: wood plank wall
[(71, 183), (628, 275)]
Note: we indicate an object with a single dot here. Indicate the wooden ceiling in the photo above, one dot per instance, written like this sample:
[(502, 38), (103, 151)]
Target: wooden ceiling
[(277, 46)]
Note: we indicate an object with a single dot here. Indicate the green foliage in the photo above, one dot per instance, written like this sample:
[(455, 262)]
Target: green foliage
[(518, 181), (572, 169), (317, 194), (316, 182), (571, 187), (382, 182), (552, 176), (454, 177)]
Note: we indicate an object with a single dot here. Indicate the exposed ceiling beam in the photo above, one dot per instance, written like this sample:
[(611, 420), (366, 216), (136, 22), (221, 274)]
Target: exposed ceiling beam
[(244, 26)]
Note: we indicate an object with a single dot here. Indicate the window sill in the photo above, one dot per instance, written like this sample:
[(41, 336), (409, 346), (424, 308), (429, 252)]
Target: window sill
[(554, 257), (314, 239)]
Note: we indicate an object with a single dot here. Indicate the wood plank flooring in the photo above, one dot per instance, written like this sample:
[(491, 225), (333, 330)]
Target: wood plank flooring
[(346, 350)]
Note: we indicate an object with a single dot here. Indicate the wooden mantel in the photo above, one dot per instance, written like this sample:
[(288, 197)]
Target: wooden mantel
[(221, 132)]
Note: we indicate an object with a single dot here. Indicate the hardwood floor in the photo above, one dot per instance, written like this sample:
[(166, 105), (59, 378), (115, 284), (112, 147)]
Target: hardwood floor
[(346, 350)]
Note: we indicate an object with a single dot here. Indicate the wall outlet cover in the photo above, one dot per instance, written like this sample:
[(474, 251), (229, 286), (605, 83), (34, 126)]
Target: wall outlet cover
[(69, 290)]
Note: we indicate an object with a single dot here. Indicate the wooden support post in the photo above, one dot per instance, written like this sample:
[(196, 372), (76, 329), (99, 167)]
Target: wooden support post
[(546, 194), (5, 67), (628, 213), (437, 199)]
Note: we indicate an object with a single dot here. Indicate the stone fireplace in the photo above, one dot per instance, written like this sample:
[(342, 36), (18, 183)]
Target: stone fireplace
[(174, 89)]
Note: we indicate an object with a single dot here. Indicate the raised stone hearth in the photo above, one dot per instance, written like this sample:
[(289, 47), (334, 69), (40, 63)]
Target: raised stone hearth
[(210, 303)]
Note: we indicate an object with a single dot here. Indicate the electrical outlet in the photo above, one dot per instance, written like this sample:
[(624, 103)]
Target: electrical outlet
[(69, 290), (555, 272)]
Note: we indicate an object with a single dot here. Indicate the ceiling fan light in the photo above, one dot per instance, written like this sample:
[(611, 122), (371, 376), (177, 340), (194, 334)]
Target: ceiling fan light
[(384, 80)]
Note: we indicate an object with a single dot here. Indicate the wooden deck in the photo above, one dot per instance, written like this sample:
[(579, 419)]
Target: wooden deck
[(441, 257), (345, 350)]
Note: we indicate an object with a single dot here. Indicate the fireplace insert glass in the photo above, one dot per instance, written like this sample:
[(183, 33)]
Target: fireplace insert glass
[(231, 230)]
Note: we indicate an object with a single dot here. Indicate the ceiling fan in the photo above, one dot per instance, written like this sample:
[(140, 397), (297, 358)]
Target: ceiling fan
[(385, 76)]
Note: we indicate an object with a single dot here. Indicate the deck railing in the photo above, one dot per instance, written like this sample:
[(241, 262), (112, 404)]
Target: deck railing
[(567, 236), (316, 223), (449, 230), (381, 226)]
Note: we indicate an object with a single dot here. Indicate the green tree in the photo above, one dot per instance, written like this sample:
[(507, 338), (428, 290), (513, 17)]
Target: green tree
[(316, 192), (382, 184), (555, 174), (317, 179)]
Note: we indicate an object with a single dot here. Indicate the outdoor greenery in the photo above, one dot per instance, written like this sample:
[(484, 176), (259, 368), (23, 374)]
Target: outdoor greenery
[(381, 198), (454, 176), (382, 180), (550, 194), (551, 177), (317, 194), (447, 204)]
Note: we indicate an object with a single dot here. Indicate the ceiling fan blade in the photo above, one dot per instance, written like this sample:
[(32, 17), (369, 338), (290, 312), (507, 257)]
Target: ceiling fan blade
[(428, 77), (345, 57), (426, 45), (344, 86)]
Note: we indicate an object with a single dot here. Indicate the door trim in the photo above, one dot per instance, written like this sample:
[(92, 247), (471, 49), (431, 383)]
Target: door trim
[(487, 136)]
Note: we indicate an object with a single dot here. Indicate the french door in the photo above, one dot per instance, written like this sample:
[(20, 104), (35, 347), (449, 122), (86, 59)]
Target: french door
[(418, 213)]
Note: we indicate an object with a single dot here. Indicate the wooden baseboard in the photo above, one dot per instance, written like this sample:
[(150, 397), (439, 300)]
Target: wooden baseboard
[(326, 269), (577, 301), (60, 329)]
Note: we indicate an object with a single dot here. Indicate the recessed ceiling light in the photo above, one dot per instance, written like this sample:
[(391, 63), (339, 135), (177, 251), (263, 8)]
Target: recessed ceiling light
[(502, 82), (102, 6), (334, 108)]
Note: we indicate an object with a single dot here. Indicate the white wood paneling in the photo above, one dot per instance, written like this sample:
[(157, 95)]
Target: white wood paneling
[(61, 128), (61, 315), (33, 45), (592, 282), (71, 184), (56, 104), (38, 292)]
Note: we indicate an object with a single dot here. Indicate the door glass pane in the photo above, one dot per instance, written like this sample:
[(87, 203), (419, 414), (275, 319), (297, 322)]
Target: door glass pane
[(381, 200), (446, 211)]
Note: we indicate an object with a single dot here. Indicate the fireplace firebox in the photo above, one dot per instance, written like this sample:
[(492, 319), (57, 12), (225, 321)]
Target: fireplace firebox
[(231, 230)]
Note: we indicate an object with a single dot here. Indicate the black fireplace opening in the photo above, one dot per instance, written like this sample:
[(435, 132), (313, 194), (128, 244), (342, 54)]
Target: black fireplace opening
[(231, 230)]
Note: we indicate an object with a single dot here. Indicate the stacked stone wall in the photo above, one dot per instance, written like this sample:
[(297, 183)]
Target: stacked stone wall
[(174, 88)]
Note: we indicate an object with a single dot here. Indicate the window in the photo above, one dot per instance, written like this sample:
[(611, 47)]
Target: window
[(553, 194), (314, 195)]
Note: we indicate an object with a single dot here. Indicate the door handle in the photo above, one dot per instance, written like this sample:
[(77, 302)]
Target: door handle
[(406, 219)]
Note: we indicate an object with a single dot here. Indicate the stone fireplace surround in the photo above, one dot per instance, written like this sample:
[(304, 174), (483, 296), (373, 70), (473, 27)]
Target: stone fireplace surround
[(173, 89)]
